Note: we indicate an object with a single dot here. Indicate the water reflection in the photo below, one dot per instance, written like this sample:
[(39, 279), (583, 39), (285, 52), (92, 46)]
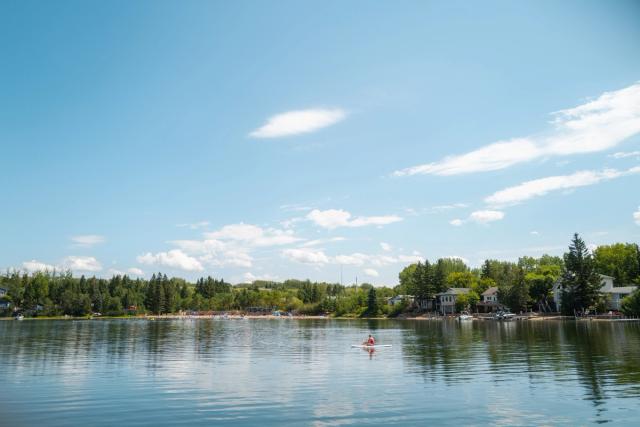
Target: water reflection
[(241, 372)]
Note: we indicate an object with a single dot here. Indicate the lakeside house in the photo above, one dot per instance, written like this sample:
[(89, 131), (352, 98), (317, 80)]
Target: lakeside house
[(615, 293), (3, 292), (446, 301), (4, 305), (489, 301), (399, 298)]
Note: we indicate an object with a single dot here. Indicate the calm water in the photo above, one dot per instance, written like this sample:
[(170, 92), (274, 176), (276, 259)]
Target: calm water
[(288, 372)]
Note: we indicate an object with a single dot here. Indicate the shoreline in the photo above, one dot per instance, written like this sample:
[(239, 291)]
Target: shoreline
[(317, 317)]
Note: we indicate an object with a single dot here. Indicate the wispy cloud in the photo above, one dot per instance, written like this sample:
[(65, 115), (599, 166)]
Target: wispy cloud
[(334, 218), (299, 122), (622, 154), (540, 187), (636, 216), (434, 209), (87, 240), (194, 225), (318, 242), (595, 126), (480, 217), (174, 258)]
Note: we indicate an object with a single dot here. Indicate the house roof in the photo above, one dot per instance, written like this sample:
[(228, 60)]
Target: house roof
[(491, 291), (621, 290), (455, 291)]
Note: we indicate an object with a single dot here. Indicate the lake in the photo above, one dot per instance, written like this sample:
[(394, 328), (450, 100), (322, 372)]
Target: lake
[(204, 372)]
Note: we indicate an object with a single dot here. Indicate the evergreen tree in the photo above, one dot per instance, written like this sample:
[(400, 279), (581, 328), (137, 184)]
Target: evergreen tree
[(580, 283), (487, 270), (372, 302)]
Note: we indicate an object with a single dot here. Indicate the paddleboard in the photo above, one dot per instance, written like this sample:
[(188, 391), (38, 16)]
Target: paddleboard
[(371, 346)]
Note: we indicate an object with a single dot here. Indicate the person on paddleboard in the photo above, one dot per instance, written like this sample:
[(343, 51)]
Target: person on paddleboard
[(370, 341)]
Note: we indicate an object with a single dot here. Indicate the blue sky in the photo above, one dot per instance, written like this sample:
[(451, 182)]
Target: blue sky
[(295, 139)]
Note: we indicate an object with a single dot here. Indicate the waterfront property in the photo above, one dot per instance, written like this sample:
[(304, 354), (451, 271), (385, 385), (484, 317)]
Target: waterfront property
[(446, 301), (3, 292), (615, 293), (489, 301), (399, 298)]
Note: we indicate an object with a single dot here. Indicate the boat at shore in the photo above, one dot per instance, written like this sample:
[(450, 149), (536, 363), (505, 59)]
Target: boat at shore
[(504, 315), (465, 316)]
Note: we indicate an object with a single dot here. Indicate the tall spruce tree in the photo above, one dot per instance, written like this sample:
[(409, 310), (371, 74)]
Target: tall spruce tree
[(372, 302), (580, 283)]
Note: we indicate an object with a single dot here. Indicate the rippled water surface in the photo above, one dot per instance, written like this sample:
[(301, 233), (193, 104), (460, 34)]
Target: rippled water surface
[(290, 372)]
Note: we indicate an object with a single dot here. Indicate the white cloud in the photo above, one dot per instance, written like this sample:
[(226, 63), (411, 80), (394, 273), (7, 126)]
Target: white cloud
[(317, 242), (534, 233), (479, 217), (254, 235), (174, 258), (318, 257), (199, 246), (33, 266), (238, 257), (483, 217), (385, 246), (622, 155), (306, 256), (299, 122), (591, 127), (353, 259), (87, 240), (539, 187), (195, 225), (135, 271), (82, 263), (371, 272), (334, 218), (636, 216), (233, 244)]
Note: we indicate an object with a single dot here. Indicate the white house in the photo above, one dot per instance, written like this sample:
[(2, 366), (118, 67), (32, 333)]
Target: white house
[(446, 301), (616, 293), (3, 292), (489, 300)]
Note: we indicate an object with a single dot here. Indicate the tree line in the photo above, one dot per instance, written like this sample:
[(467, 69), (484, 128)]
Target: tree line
[(523, 285), (527, 284)]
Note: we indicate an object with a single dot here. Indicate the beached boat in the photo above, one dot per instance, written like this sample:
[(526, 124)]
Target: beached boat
[(465, 316), (504, 315)]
